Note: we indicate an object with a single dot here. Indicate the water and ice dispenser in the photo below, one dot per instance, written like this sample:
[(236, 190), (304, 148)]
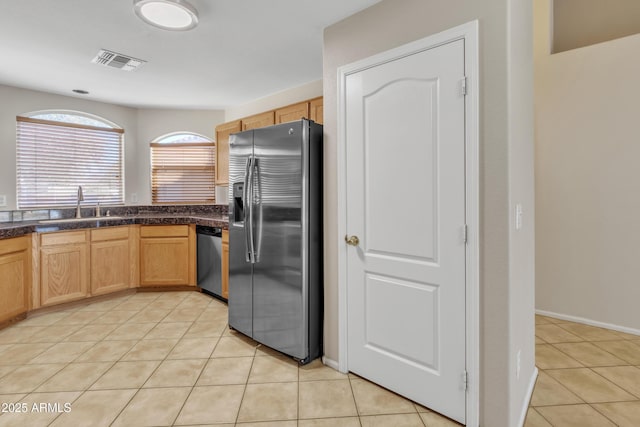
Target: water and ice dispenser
[(238, 206)]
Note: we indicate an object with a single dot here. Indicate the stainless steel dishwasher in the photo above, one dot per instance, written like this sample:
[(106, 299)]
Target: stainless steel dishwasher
[(209, 264)]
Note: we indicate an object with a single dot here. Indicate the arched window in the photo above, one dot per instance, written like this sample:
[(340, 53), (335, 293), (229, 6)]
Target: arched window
[(57, 151), (183, 169)]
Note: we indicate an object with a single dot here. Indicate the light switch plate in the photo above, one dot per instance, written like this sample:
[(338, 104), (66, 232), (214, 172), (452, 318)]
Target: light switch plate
[(3, 200), (518, 216)]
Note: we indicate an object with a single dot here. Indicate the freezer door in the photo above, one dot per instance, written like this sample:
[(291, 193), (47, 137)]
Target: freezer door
[(240, 269), (279, 274)]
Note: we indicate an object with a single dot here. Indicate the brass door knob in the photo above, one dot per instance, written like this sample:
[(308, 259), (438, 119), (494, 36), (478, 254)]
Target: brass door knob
[(353, 240)]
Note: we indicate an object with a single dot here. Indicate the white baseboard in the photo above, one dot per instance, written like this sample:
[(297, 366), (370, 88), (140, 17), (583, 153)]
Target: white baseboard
[(527, 400), (330, 363), (589, 322)]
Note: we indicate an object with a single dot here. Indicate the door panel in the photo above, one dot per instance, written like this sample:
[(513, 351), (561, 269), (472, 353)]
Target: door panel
[(386, 152), (240, 270), (109, 266), (278, 274), (416, 319), (406, 202)]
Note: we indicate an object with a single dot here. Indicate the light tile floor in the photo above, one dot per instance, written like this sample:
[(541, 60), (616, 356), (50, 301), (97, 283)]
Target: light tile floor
[(588, 376), (162, 359)]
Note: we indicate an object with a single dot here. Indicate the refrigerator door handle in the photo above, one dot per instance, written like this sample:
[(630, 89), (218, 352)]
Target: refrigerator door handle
[(246, 201), (251, 199), (257, 190)]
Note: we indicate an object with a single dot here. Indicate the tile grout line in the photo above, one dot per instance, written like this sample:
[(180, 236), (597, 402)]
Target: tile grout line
[(597, 347), (353, 396), (126, 405), (593, 344), (244, 391), (195, 383), (604, 415), (614, 383), (88, 389), (145, 305)]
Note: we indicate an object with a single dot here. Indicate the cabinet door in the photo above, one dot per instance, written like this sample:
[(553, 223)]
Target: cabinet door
[(109, 266), (258, 121), (164, 261), (15, 277), (222, 150), (225, 264), (316, 111), (64, 273), (292, 113)]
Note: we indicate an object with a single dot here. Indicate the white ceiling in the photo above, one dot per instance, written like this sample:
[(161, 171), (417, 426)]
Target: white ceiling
[(240, 51)]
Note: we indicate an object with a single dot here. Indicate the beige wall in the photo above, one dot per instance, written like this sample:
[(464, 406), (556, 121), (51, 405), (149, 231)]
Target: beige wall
[(520, 114), (155, 122), (280, 99), (505, 136), (140, 125), (587, 178), (579, 23)]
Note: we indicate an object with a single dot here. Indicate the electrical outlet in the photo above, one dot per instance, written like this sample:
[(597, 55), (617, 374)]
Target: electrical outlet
[(518, 364), (134, 197), (3, 200)]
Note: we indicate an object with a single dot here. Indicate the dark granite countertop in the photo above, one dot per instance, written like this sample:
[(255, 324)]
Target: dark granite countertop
[(211, 219)]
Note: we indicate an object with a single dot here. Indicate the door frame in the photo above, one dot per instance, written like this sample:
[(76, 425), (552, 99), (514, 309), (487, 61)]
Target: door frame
[(469, 33)]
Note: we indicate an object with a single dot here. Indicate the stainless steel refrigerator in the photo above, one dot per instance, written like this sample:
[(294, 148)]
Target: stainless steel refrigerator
[(275, 237)]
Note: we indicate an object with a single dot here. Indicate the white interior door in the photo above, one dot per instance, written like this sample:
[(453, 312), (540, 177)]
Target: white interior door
[(405, 192)]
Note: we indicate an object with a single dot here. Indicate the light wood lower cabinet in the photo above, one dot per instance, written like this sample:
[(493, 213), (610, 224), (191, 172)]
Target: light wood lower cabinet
[(110, 260), (64, 267), (225, 264), (15, 276), (72, 265), (167, 255)]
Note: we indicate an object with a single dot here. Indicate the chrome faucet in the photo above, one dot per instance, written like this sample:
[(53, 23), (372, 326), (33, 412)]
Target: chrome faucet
[(80, 198)]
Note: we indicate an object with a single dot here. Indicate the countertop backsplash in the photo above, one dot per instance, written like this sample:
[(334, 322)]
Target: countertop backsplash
[(90, 212)]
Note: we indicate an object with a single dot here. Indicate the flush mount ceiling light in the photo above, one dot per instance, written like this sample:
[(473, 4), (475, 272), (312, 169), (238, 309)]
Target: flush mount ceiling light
[(174, 15)]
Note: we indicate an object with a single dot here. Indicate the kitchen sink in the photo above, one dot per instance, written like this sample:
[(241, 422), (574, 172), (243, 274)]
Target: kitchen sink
[(90, 218)]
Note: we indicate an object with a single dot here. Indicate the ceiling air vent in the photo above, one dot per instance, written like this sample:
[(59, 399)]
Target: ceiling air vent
[(117, 60)]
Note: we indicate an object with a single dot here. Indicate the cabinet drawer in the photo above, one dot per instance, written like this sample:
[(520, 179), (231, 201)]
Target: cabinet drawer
[(164, 231), (112, 233), (16, 244), (63, 238)]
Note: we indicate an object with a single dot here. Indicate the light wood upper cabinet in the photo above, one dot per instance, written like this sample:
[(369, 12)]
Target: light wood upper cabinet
[(222, 150), (15, 276), (64, 266), (316, 111), (166, 261), (292, 112), (311, 109), (110, 260), (258, 121), (225, 264)]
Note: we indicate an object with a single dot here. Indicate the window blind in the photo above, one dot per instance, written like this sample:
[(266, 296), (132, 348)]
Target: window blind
[(54, 158), (183, 173)]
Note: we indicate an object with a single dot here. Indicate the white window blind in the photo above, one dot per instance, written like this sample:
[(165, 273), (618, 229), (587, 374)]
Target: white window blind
[(54, 158), (183, 172)]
